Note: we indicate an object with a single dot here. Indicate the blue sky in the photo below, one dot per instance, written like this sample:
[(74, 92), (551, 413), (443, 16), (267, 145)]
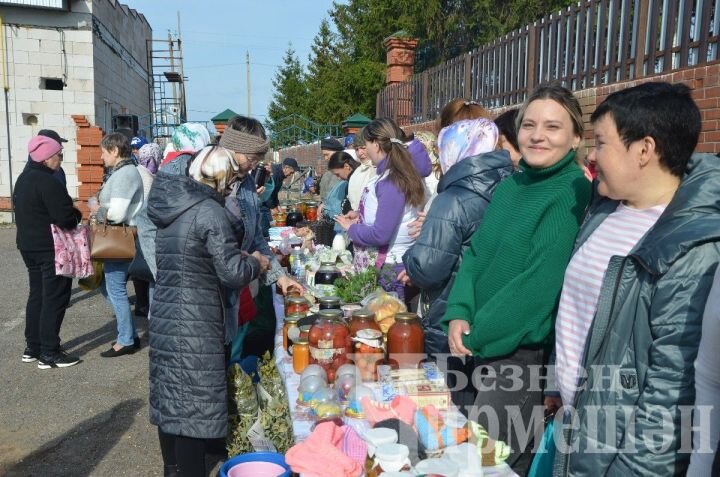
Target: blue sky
[(217, 33)]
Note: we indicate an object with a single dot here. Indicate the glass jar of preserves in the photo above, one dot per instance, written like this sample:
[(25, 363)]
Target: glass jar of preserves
[(368, 352), (294, 215), (311, 211), (325, 279), (290, 294), (330, 342), (362, 319), (406, 340), (305, 332), (290, 331), (329, 303), (279, 218), (300, 355), (297, 304)]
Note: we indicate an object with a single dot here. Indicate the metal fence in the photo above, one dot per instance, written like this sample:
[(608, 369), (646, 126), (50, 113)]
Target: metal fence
[(593, 43)]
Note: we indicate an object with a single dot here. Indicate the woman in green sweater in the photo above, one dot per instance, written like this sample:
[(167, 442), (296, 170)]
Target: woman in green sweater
[(501, 308)]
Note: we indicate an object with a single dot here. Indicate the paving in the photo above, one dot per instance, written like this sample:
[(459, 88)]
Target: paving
[(89, 419)]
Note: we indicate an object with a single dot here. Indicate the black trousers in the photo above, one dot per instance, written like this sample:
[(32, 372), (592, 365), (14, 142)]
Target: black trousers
[(189, 456), (48, 299), (504, 395)]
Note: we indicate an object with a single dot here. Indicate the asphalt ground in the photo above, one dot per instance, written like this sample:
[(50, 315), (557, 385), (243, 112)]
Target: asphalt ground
[(89, 419)]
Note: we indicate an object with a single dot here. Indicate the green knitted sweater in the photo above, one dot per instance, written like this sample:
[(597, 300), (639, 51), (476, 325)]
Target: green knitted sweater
[(511, 276)]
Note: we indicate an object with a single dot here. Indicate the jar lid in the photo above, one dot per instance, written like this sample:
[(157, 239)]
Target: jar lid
[(294, 318), (329, 299), (298, 299), (301, 341), (324, 266), (305, 327), (369, 334), (312, 203), (363, 313), (405, 316), (330, 313)]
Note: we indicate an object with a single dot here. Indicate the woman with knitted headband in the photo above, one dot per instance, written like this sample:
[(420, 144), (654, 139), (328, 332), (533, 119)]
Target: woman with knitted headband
[(198, 257), (246, 136)]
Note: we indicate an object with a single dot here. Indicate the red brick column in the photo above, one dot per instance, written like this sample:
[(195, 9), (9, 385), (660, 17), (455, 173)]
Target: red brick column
[(89, 163), (400, 66)]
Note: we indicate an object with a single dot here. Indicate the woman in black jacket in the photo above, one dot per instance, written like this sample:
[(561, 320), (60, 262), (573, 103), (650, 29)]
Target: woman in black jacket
[(40, 200), (196, 256)]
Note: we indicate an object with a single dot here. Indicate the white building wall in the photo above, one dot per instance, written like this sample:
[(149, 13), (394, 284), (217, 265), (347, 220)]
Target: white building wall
[(105, 73), (50, 44)]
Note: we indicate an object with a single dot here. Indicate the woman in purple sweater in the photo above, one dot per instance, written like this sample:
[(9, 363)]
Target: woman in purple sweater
[(397, 192)]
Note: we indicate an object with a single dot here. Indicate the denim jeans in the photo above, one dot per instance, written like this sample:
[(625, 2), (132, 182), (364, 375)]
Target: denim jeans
[(114, 288)]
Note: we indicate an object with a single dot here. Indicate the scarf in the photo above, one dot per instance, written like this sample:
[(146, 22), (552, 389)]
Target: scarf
[(465, 139), (216, 167), (149, 156)]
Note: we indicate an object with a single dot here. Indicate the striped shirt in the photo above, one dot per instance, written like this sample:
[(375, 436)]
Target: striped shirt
[(616, 236)]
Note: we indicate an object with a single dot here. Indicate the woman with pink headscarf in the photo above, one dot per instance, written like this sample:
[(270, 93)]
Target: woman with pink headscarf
[(471, 169)]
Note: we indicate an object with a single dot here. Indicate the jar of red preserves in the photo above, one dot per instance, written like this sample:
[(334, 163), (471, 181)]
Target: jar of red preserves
[(311, 211), (406, 340), (297, 304), (330, 342), (368, 352), (362, 319)]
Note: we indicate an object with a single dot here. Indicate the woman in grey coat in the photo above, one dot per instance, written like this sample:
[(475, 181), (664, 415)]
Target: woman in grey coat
[(197, 255)]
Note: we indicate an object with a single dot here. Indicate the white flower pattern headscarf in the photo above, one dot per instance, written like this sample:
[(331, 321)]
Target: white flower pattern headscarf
[(189, 137), (464, 139)]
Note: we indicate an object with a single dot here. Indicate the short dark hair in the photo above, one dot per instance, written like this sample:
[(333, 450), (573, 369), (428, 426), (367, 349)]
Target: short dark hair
[(247, 125), (119, 141), (506, 125), (340, 158), (663, 111)]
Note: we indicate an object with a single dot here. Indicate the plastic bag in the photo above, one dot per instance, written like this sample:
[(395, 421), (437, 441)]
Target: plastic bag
[(542, 464), (385, 306), (93, 281)]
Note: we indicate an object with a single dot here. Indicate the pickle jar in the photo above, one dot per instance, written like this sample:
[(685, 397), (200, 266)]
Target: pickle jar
[(294, 215), (290, 331), (362, 319), (311, 211), (406, 340), (330, 342), (297, 305), (329, 303), (290, 294)]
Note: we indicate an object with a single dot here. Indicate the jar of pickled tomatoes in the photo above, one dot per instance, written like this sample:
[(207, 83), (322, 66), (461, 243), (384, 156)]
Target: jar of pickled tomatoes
[(330, 342)]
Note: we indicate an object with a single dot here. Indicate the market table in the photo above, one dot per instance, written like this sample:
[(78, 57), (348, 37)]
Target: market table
[(302, 425)]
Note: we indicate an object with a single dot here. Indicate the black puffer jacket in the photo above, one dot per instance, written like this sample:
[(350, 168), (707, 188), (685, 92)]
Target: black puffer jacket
[(432, 262), (197, 254)]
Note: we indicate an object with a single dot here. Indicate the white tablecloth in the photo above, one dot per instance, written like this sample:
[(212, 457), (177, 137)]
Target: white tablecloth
[(302, 424)]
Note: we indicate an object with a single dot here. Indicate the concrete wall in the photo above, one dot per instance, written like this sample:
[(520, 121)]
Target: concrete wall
[(44, 43), (121, 38)]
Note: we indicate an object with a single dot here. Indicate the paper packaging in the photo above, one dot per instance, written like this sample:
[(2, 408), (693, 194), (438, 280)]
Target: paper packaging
[(424, 386)]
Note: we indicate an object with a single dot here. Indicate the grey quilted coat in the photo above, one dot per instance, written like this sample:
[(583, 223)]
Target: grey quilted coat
[(197, 254)]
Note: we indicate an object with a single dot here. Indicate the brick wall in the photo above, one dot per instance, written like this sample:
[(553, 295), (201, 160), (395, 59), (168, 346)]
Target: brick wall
[(89, 162)]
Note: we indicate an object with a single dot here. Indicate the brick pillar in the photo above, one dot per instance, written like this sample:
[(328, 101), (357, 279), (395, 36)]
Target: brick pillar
[(400, 66), (89, 163)]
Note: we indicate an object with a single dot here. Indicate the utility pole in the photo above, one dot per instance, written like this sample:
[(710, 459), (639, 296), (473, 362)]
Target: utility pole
[(183, 104), (247, 66)]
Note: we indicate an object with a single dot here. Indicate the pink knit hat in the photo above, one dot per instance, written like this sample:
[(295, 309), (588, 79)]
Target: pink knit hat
[(42, 148)]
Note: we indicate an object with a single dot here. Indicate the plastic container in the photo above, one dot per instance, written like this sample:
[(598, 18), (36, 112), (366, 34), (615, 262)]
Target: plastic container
[(379, 436), (443, 467), (391, 458), (256, 464)]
